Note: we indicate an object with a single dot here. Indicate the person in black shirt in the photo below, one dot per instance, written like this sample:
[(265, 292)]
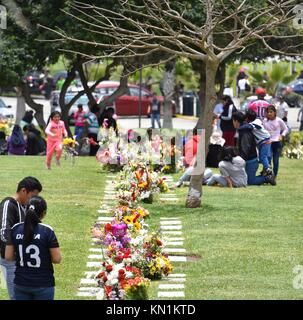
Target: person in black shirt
[(248, 151), (35, 247), (107, 119), (226, 123), (12, 211)]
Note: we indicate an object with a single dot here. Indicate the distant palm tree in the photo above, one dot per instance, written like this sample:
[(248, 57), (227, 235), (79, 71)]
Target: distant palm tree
[(279, 74)]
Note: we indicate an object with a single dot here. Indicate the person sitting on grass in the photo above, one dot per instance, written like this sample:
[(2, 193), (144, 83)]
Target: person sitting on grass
[(232, 169), (248, 151)]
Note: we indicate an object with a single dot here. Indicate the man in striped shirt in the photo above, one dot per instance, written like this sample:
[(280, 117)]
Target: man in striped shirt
[(12, 211)]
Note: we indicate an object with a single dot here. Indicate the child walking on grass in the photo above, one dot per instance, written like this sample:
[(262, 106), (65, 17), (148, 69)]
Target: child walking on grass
[(54, 131)]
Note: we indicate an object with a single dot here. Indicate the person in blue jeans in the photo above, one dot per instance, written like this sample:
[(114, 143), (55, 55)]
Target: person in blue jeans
[(154, 109), (35, 248), (248, 151), (263, 140), (12, 211)]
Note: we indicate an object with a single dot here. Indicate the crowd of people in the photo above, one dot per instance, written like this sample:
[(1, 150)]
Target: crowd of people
[(243, 140), (23, 139)]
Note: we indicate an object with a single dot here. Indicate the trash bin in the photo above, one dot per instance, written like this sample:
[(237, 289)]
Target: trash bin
[(188, 105)]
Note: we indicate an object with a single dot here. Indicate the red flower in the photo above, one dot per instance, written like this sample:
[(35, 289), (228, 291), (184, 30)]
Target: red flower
[(159, 243), (108, 228), (121, 271), (104, 279), (108, 290), (109, 268), (118, 259), (100, 275), (136, 217)]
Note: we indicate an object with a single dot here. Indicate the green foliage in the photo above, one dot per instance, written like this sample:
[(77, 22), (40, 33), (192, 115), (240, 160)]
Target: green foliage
[(294, 148), (277, 75)]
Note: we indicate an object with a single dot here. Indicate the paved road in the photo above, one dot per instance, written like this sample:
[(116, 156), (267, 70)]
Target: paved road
[(133, 122)]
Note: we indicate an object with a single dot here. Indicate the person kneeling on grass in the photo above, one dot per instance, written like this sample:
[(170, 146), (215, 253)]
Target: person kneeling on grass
[(232, 169), (35, 247)]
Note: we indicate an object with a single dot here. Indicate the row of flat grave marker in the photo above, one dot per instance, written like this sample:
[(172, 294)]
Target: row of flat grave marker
[(171, 229), (88, 285), (173, 285)]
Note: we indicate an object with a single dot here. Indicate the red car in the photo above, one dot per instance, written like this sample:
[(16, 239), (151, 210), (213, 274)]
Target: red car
[(128, 104)]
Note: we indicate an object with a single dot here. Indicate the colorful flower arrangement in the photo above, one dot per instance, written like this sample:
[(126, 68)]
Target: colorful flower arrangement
[(137, 182), (132, 255), (109, 155), (69, 148), (4, 127)]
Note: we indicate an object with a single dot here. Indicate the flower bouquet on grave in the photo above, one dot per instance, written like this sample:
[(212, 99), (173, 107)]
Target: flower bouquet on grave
[(137, 288), (153, 262), (112, 278), (122, 211), (69, 148)]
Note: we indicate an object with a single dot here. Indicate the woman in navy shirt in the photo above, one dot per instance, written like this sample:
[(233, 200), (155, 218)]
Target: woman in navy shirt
[(35, 248)]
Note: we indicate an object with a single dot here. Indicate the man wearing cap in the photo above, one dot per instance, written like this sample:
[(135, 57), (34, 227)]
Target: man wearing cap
[(259, 106)]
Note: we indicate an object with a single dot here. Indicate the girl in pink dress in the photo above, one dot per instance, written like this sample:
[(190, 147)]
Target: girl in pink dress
[(54, 131)]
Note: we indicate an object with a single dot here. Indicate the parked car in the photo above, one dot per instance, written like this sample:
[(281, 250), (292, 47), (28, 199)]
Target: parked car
[(68, 97), (5, 110), (127, 104), (294, 93)]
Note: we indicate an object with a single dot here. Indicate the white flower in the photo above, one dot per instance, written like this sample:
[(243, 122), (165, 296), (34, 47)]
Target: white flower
[(100, 294)]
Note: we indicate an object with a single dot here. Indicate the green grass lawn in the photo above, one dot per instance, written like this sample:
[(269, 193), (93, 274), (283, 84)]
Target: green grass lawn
[(242, 243)]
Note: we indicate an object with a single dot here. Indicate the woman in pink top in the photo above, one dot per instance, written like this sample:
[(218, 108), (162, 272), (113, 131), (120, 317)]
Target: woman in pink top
[(277, 129), (54, 131)]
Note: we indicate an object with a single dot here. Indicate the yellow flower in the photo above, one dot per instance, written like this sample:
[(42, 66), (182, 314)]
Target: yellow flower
[(137, 226), (128, 219), (142, 185)]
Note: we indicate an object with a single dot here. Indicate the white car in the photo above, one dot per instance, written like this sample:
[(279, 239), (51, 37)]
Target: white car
[(5, 110)]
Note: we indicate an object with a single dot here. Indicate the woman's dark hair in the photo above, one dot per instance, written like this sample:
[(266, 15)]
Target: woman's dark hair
[(238, 116), (28, 116), (250, 115), (228, 153), (271, 108), (35, 211), (51, 116), (227, 100)]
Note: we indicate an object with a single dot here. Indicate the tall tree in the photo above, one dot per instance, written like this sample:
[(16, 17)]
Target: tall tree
[(143, 27)]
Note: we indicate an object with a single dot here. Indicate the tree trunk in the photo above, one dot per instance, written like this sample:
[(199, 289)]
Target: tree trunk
[(35, 106), (221, 78), (84, 80), (169, 80), (205, 122), (202, 91), (65, 107), (20, 105)]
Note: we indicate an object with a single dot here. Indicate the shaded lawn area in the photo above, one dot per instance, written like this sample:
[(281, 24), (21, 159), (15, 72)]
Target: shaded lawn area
[(242, 243)]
